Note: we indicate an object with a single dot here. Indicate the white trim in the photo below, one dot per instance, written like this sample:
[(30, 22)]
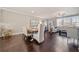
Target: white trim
[(17, 33), (14, 34), (17, 12)]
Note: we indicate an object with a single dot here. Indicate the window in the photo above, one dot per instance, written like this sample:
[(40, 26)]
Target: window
[(75, 20), (34, 23), (59, 22), (66, 21)]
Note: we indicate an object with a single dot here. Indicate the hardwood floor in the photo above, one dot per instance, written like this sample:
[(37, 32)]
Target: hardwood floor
[(52, 43)]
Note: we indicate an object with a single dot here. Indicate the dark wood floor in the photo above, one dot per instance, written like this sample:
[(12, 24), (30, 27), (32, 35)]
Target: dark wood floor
[(52, 43)]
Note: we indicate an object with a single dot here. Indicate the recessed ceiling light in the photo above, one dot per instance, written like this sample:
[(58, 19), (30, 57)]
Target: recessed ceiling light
[(33, 11), (39, 16)]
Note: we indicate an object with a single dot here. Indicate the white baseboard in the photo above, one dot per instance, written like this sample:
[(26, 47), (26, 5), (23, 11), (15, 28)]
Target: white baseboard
[(17, 33), (14, 34)]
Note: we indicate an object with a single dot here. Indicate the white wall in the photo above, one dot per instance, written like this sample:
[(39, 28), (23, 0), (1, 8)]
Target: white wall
[(0, 15), (16, 20)]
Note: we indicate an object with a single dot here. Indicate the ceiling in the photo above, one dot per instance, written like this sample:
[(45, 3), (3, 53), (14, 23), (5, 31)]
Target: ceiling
[(45, 12)]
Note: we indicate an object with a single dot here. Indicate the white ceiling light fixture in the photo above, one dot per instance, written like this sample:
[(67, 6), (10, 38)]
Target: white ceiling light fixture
[(39, 16), (33, 12), (61, 13)]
